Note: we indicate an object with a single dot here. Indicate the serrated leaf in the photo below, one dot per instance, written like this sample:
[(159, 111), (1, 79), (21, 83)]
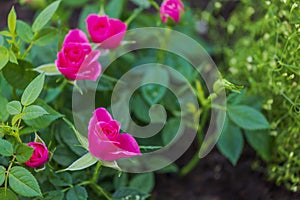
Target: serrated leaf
[(2, 174), (83, 162), (3, 114), (23, 182), (247, 118), (8, 195), (4, 57), (24, 31), (77, 193), (49, 69), (14, 107), (33, 112), (6, 148), (23, 153), (33, 90), (11, 20), (231, 142), (44, 17), (143, 182), (261, 141)]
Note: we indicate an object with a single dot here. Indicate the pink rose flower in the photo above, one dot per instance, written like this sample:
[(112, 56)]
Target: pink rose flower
[(171, 9), (39, 156), (77, 60), (108, 31), (105, 141)]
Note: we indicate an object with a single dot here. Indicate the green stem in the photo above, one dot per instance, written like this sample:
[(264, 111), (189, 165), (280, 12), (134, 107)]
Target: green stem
[(154, 4), (99, 190), (135, 13), (27, 50), (7, 174), (101, 10), (96, 172), (194, 161)]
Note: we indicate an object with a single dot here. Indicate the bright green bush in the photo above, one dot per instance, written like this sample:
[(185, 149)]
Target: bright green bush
[(259, 48)]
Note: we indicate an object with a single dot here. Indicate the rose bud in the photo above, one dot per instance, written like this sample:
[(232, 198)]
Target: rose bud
[(39, 156), (171, 9)]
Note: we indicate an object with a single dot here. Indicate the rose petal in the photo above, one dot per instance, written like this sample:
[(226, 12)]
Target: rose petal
[(102, 115), (76, 36)]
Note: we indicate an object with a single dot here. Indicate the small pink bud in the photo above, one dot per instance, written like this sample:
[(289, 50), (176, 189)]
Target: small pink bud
[(39, 156), (171, 9)]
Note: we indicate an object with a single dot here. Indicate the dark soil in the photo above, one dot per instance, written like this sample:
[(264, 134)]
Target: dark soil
[(216, 179)]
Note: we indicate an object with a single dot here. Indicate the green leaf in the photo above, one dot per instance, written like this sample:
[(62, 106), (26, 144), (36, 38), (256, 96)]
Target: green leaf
[(10, 195), (16, 118), (45, 120), (33, 90), (6, 148), (44, 17), (143, 182), (231, 142), (3, 113), (2, 174), (5, 33), (120, 181), (23, 153), (14, 107), (247, 117), (77, 193), (11, 20), (23, 182), (4, 57), (128, 193), (48, 69), (261, 141), (76, 3), (45, 36), (12, 57), (83, 162), (64, 156), (24, 31), (54, 195), (111, 164), (1, 40), (142, 3), (33, 112), (27, 130), (153, 93), (19, 75), (171, 130), (114, 8), (61, 179)]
